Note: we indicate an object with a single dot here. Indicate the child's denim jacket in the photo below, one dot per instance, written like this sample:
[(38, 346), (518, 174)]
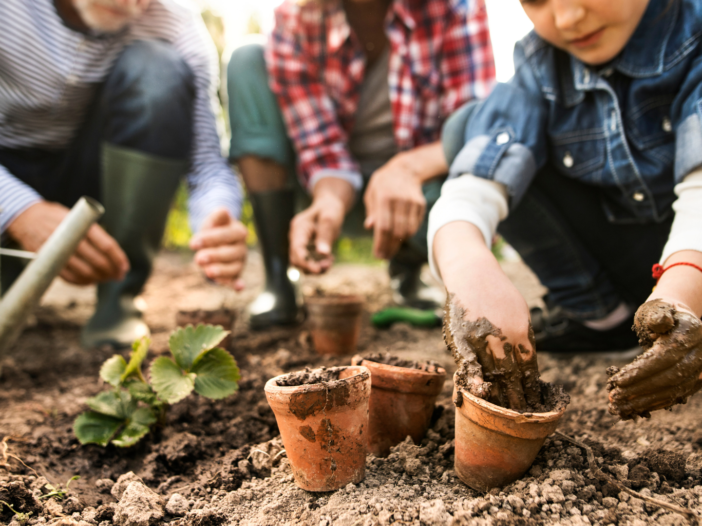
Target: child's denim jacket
[(632, 127)]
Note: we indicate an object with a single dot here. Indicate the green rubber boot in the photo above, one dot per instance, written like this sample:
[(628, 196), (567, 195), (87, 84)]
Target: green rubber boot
[(137, 190)]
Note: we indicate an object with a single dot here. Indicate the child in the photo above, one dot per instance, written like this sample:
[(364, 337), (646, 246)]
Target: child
[(579, 159)]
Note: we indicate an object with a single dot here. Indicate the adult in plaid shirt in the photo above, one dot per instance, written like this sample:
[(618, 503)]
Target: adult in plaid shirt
[(351, 95)]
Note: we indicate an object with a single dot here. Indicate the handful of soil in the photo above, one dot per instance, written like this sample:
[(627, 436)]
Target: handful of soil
[(312, 254), (668, 373), (390, 359), (508, 377)]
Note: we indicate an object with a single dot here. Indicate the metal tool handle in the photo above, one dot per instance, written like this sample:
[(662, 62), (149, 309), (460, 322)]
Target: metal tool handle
[(25, 293)]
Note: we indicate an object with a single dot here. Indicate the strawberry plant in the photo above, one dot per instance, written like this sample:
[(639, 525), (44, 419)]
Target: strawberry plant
[(125, 413)]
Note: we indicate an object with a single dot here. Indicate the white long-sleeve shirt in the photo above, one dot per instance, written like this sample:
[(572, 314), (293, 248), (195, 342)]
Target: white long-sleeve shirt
[(484, 203), (49, 74)]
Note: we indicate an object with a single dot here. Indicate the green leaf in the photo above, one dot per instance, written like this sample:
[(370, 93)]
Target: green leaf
[(136, 429), (115, 403), (96, 428), (188, 343), (217, 374), (142, 392), (139, 352), (113, 369), (169, 381)]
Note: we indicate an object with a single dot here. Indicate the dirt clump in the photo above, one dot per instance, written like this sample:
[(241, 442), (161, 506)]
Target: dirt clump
[(310, 376), (138, 506), (386, 358)]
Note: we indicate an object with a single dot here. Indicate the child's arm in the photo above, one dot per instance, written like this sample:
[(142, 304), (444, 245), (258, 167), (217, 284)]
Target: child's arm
[(668, 324), (498, 327)]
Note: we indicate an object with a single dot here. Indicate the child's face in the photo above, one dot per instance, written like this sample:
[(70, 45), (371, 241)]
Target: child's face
[(594, 31)]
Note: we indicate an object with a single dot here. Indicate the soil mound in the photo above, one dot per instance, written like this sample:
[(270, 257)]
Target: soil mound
[(310, 376), (390, 359)]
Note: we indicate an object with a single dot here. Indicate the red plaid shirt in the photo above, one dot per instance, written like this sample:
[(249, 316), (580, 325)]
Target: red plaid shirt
[(440, 58)]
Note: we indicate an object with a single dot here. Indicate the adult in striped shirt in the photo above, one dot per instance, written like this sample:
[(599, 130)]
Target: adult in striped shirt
[(350, 96), (113, 99)]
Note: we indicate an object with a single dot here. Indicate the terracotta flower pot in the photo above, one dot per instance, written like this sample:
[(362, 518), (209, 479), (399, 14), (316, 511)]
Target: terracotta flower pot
[(496, 446), (223, 316), (324, 428), (401, 403), (335, 322)]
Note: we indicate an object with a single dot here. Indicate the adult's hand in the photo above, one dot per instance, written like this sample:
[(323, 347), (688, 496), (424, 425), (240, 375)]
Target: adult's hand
[(395, 207), (220, 247), (98, 257), (486, 324), (395, 204), (671, 368), (314, 230)]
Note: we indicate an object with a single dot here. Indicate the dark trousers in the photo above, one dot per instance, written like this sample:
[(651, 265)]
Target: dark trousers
[(145, 104), (560, 229)]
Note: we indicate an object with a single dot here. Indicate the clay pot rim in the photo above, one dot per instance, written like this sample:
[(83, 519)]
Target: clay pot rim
[(335, 299), (360, 360), (361, 375), (510, 414)]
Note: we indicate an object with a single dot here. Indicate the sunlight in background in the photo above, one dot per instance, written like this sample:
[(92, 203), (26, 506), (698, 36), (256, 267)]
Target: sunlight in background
[(508, 23)]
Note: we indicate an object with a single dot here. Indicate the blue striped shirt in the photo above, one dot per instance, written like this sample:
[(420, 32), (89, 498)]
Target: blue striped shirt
[(49, 74)]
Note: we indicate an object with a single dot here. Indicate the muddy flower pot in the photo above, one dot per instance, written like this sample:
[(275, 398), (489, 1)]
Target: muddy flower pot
[(335, 322), (401, 403), (495, 446), (324, 428), (222, 316)]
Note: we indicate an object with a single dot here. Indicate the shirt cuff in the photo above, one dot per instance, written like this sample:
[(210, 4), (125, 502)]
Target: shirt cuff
[(686, 232), (471, 199), (688, 147), (511, 164), (16, 198), (351, 177)]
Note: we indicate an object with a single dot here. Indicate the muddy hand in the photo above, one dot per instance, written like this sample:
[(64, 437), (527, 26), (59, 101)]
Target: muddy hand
[(670, 369), (489, 366)]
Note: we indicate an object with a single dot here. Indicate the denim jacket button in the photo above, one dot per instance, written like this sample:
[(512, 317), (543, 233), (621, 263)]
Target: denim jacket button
[(667, 125), (568, 160), (638, 197), (586, 76), (502, 138)]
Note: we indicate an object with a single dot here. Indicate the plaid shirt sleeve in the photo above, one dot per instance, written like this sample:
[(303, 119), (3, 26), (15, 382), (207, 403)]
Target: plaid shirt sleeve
[(308, 111), (467, 64)]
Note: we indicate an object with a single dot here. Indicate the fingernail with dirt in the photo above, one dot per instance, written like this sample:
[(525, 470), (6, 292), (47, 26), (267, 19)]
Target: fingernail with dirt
[(496, 445), (322, 415)]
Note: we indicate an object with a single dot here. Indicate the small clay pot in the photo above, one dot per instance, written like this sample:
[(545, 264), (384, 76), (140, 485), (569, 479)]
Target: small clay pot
[(335, 322), (324, 428), (224, 317), (401, 403), (495, 446)]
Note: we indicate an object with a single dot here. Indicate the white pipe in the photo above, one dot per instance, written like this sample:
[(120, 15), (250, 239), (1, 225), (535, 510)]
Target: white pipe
[(24, 254), (25, 293)]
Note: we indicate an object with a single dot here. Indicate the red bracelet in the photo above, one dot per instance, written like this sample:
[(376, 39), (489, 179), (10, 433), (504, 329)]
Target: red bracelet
[(658, 270)]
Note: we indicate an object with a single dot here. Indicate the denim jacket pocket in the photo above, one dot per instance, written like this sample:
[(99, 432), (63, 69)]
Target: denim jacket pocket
[(580, 154), (649, 124)]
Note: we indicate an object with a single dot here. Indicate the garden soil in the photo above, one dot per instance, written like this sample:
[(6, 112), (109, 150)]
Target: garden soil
[(222, 462)]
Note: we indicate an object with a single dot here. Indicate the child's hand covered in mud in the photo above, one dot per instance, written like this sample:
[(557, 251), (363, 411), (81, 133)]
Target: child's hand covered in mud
[(670, 369), (491, 367)]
